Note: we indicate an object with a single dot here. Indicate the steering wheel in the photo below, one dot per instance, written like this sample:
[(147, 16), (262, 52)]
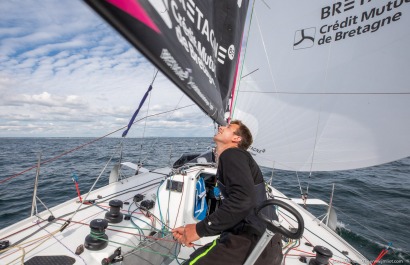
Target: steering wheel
[(274, 226)]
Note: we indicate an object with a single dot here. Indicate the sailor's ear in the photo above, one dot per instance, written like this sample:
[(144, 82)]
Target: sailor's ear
[(236, 138)]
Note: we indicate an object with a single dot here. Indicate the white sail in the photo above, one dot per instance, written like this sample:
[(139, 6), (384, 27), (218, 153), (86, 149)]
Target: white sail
[(326, 84)]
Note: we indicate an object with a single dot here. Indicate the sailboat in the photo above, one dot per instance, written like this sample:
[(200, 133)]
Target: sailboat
[(321, 85)]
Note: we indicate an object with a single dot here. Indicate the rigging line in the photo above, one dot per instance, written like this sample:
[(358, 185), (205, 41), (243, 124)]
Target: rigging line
[(88, 143), (145, 122), (122, 193), (95, 182), (120, 176), (300, 187), (375, 202), (257, 69), (338, 209), (66, 247), (294, 245), (266, 4), (25, 243), (139, 219), (150, 152), (282, 123), (324, 93), (19, 248), (142, 248), (44, 206), (38, 230), (169, 200), (266, 54), (368, 229), (47, 238), (180, 201), (125, 232), (132, 189), (21, 230), (279, 213), (154, 144), (314, 150), (318, 119), (319, 238)]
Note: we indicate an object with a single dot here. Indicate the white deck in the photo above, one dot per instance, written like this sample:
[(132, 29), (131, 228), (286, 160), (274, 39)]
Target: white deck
[(34, 236)]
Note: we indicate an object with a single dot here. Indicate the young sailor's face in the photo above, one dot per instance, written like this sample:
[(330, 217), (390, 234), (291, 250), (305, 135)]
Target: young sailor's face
[(226, 134)]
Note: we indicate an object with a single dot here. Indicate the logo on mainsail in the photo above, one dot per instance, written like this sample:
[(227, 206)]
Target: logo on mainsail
[(304, 38), (231, 52), (222, 52), (177, 35)]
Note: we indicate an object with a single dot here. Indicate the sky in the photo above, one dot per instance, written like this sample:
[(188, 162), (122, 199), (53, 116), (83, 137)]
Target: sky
[(64, 72)]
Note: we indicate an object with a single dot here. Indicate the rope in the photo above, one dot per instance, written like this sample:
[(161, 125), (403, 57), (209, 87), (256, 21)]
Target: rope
[(300, 186), (44, 206), (124, 232), (145, 122), (19, 246), (124, 134), (159, 208), (19, 231), (180, 201), (61, 243), (95, 183), (132, 189), (98, 235), (382, 253), (136, 248), (357, 222), (295, 244), (316, 236), (75, 179)]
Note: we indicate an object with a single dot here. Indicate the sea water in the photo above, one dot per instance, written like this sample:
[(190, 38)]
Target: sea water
[(373, 204)]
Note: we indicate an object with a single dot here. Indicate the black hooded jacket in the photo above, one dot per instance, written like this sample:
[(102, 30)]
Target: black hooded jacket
[(241, 182)]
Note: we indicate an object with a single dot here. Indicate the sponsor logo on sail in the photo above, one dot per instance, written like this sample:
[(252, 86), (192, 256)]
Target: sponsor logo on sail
[(304, 38), (231, 52)]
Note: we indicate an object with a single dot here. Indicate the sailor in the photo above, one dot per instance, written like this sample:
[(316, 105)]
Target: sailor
[(242, 188)]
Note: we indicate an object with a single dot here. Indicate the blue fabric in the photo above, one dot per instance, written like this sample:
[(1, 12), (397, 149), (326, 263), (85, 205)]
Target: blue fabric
[(201, 206), (217, 192), (136, 112)]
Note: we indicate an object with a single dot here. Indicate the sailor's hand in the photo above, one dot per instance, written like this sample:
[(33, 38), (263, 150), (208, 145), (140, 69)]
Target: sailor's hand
[(186, 235), (190, 235), (178, 233)]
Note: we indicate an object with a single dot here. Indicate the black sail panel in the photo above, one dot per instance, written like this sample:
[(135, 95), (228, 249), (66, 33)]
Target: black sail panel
[(196, 44)]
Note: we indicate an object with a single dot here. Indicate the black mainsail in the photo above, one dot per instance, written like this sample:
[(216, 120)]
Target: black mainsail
[(196, 44)]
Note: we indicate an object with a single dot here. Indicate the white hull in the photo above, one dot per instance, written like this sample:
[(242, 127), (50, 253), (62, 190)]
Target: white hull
[(33, 235)]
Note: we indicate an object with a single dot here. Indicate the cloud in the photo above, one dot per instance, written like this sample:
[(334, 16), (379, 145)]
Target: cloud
[(65, 72), (45, 99)]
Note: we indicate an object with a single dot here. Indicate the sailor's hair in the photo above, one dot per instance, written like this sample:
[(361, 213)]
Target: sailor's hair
[(244, 133)]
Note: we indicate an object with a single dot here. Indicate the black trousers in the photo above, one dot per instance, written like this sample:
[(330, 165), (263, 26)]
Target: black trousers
[(234, 249)]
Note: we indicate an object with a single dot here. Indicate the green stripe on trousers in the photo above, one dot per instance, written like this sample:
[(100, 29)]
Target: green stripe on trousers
[(203, 253)]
